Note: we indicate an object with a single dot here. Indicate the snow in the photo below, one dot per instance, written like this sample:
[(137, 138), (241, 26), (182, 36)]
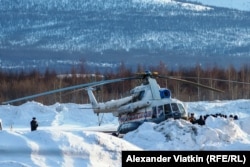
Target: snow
[(233, 4), (69, 134), (243, 5), (189, 6)]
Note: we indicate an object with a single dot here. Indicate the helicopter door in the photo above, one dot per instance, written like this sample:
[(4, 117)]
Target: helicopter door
[(160, 111), (154, 112), (157, 111), (157, 114)]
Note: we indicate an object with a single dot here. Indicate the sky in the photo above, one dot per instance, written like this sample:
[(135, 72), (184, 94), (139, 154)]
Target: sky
[(68, 134)]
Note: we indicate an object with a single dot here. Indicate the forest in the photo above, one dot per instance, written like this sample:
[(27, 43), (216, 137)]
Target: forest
[(234, 82)]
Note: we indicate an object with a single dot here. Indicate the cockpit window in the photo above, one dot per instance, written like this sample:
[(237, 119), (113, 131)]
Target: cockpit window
[(182, 110), (167, 108), (174, 107)]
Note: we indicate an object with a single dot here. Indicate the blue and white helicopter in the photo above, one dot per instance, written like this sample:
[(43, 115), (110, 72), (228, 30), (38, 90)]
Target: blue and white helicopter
[(146, 102)]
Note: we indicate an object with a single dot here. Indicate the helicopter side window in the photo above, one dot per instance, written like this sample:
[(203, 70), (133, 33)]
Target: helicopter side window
[(141, 94), (174, 107)]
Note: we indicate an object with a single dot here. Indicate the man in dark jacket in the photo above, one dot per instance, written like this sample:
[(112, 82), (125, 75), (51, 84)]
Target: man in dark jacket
[(201, 120), (33, 124)]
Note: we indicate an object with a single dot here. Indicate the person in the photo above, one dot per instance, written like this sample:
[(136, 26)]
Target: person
[(236, 117), (192, 119), (201, 121), (33, 124), (231, 117), (1, 125)]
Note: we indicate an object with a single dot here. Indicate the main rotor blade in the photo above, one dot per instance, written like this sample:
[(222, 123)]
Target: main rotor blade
[(193, 83), (92, 84), (221, 80)]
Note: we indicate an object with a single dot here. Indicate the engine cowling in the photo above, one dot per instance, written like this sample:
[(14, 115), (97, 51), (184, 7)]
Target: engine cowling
[(132, 107)]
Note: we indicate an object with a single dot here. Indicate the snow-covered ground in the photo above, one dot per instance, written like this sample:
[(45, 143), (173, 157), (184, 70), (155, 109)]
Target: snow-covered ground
[(67, 134)]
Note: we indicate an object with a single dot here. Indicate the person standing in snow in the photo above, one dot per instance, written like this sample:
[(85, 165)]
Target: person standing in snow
[(1, 124), (33, 124), (201, 120), (192, 119)]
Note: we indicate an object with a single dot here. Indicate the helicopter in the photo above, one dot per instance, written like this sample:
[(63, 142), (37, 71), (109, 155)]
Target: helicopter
[(147, 102)]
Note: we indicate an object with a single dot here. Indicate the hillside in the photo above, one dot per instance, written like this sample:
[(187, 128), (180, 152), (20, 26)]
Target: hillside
[(61, 34)]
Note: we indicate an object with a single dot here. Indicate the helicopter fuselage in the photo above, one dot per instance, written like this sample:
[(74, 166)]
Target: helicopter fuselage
[(147, 102), (157, 111)]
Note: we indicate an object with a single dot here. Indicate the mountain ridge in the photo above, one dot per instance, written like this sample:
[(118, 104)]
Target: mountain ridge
[(42, 34), (243, 5)]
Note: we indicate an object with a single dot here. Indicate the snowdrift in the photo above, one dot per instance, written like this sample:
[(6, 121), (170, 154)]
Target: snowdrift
[(68, 134)]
